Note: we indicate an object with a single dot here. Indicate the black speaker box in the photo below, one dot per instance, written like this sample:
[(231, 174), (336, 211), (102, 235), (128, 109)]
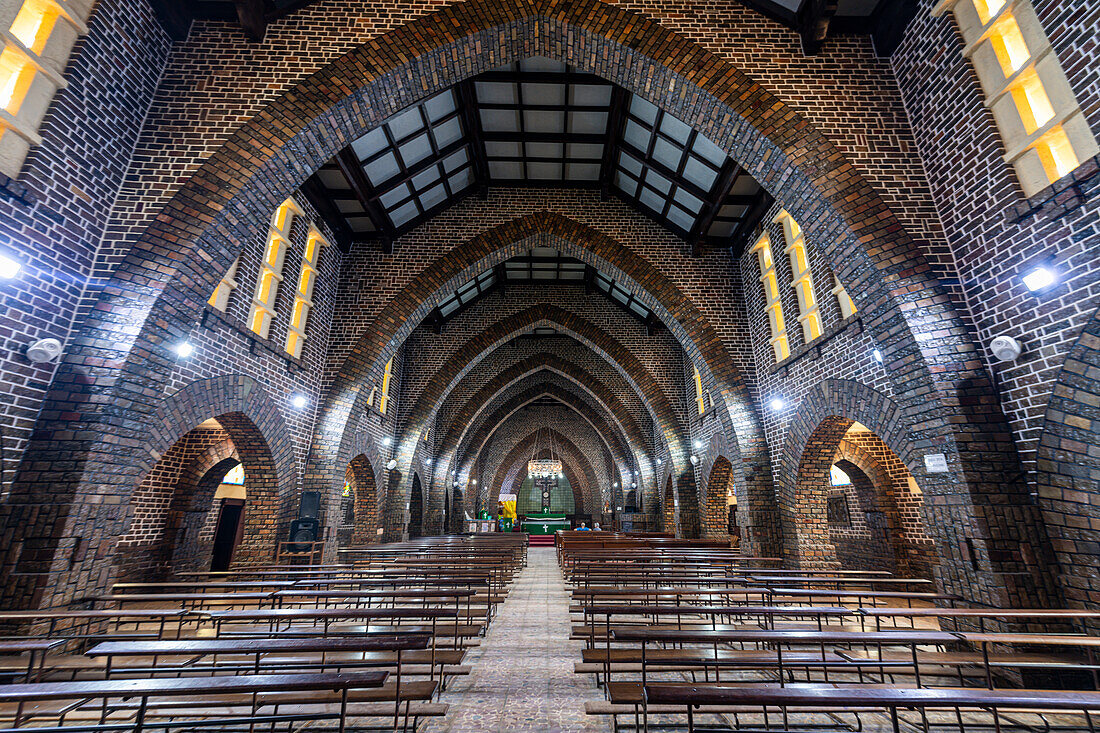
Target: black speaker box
[(304, 531), (310, 508)]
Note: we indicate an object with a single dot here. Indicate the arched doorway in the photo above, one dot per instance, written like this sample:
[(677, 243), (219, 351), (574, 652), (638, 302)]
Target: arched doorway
[(416, 508), (359, 525), (192, 509), (668, 509), (862, 503), (721, 502)]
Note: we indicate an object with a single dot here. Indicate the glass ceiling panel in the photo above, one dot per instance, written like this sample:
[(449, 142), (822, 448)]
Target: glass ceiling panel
[(540, 122)]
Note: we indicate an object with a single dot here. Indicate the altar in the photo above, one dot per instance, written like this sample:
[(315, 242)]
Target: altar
[(544, 523)]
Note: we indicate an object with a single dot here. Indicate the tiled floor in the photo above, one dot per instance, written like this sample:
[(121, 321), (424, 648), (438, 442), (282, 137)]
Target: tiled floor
[(522, 674)]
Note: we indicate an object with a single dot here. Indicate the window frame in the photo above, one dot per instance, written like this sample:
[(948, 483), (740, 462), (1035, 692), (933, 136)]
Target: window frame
[(809, 310), (1018, 87), (773, 305), (303, 296), (262, 313), (35, 71)]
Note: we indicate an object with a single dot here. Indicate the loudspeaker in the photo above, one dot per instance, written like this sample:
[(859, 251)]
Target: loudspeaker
[(304, 531), (310, 508)]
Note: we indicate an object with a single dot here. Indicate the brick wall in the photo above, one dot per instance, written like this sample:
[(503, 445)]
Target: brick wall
[(52, 218)]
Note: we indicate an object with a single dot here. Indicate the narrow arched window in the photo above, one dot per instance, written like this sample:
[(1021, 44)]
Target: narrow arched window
[(802, 280), (303, 298), (1045, 133), (772, 304), (700, 398), (271, 270), (34, 50)]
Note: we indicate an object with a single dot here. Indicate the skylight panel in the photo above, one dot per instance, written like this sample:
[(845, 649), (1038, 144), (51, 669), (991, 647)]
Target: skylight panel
[(348, 206), (588, 123), (643, 110), (456, 160), (370, 143), (680, 218), (403, 214), (544, 150), (425, 179), (500, 120), (416, 150), (449, 307), (582, 171), (631, 164), (708, 151), (584, 150), (460, 180), (667, 154), (688, 201), (657, 181), (406, 123), (699, 174), (651, 200), (440, 106), (495, 149), (505, 170), (447, 133), (544, 171), (496, 92), (675, 129), (544, 93), (628, 185), (382, 169), (395, 196), (543, 121), (432, 197), (541, 63), (721, 228), (640, 309), (636, 136), (590, 95), (333, 179)]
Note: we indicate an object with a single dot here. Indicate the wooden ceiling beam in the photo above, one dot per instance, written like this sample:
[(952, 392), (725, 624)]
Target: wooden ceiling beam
[(319, 198), (353, 172), (252, 15), (471, 121), (726, 178), (616, 121)]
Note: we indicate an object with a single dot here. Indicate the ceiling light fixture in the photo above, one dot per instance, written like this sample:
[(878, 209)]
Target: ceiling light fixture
[(1039, 278), (184, 349), (9, 268)]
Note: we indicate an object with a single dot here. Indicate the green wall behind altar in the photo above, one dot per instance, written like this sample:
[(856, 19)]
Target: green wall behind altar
[(528, 500)]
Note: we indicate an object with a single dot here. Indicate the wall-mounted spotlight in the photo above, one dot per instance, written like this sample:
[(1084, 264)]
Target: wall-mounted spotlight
[(777, 404), (660, 462), (697, 444), (694, 460), (391, 465), (473, 481), (633, 484), (1039, 278), (387, 442), (9, 268), (299, 401), (876, 354), (184, 349)]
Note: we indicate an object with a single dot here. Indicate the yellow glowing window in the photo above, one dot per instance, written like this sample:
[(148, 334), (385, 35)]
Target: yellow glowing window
[(1032, 101), (988, 8), (1056, 153), (33, 24), (301, 311), (16, 75), (700, 400), (260, 321), (267, 281), (1045, 133), (803, 285), (303, 298), (384, 399), (1009, 44), (772, 303)]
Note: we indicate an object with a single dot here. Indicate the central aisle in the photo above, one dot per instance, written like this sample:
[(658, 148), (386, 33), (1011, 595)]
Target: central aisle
[(522, 674)]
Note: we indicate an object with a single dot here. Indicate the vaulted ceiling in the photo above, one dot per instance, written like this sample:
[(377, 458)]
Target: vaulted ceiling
[(536, 123)]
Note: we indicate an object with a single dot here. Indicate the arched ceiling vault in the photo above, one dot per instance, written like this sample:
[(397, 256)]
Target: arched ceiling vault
[(540, 369)]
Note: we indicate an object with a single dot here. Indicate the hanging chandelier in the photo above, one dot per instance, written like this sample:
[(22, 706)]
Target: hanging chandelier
[(544, 468)]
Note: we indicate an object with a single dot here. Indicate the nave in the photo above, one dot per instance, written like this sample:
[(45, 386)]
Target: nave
[(602, 632)]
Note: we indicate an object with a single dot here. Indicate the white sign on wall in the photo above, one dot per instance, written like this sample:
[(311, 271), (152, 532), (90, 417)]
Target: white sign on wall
[(935, 463)]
